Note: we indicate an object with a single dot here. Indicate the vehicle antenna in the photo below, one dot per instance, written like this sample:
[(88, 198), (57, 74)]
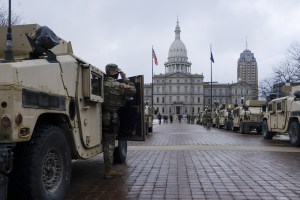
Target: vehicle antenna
[(8, 53)]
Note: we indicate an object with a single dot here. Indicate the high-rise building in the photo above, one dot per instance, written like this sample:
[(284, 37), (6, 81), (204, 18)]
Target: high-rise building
[(247, 70)]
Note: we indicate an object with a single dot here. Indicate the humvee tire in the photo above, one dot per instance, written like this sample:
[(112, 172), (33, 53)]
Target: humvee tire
[(243, 128), (42, 167), (233, 128), (266, 133), (259, 130), (294, 133), (120, 152)]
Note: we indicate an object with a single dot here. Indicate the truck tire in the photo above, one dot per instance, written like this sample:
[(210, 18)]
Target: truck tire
[(294, 133), (242, 131), (42, 166), (146, 128), (233, 128), (265, 131), (120, 152), (259, 130)]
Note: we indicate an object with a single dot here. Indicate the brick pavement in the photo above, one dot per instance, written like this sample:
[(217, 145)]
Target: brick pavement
[(183, 161)]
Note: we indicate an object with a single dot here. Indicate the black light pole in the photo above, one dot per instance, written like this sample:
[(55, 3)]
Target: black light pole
[(152, 76)]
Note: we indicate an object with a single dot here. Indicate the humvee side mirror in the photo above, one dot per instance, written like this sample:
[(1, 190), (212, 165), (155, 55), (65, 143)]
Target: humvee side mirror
[(297, 94)]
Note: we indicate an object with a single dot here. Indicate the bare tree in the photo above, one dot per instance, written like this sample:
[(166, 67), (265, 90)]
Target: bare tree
[(286, 71), (15, 18), (265, 87)]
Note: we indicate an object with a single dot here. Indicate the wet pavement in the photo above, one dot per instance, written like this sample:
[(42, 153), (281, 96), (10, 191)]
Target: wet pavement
[(187, 161)]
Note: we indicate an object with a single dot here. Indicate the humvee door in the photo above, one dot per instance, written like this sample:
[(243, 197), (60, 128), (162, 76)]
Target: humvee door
[(132, 123)]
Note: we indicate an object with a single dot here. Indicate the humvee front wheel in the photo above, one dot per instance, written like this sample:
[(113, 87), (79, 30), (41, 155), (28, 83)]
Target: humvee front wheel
[(120, 152), (265, 131), (42, 166), (294, 133)]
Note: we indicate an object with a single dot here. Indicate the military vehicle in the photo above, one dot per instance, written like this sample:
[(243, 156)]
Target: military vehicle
[(282, 117), (215, 117), (248, 117), (149, 111), (50, 113), (221, 117)]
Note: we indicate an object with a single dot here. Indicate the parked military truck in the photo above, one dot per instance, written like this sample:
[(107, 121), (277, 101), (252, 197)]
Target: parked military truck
[(224, 116), (215, 118), (248, 117), (282, 117), (50, 113), (149, 111)]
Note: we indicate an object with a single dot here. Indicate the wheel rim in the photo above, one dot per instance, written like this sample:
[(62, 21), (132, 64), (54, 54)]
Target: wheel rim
[(52, 170)]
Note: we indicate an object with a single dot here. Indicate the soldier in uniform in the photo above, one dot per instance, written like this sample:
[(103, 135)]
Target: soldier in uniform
[(115, 94)]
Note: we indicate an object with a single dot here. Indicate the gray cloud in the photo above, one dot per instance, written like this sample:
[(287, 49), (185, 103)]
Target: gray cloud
[(124, 31)]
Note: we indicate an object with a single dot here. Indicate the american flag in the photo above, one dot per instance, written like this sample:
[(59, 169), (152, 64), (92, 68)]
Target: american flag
[(154, 57)]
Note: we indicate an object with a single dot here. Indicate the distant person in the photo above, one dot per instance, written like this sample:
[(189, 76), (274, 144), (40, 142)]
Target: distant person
[(159, 118), (179, 118), (171, 118)]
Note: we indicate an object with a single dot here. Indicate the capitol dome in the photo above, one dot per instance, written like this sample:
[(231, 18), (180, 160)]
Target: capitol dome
[(177, 58), (177, 48)]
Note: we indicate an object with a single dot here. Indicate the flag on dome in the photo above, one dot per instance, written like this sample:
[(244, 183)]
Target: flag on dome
[(154, 57)]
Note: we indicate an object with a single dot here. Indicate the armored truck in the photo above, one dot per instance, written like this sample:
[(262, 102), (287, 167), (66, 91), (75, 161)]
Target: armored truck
[(149, 111), (225, 116), (51, 113), (248, 117), (282, 117)]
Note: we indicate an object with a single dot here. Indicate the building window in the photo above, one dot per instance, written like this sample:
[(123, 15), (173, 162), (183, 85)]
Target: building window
[(163, 100), (185, 99), (170, 81), (198, 99), (157, 81), (170, 89), (163, 110), (192, 89), (220, 92), (170, 99), (157, 100), (178, 98), (215, 92), (185, 89), (177, 80), (157, 89), (178, 89)]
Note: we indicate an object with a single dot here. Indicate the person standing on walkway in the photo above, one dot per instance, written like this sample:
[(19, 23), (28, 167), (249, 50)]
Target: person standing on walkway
[(159, 118), (115, 94)]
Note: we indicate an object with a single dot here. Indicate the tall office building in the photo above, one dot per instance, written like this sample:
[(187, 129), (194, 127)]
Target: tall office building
[(247, 70)]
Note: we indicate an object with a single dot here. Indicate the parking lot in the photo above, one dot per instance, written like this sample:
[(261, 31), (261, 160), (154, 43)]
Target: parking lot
[(187, 161)]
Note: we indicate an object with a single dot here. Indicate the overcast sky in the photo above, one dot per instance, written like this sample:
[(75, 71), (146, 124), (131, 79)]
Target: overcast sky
[(123, 31)]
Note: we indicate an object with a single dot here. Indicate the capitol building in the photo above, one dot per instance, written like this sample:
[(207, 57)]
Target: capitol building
[(178, 91)]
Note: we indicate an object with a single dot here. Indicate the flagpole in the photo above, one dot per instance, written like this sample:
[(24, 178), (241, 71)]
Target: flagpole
[(152, 75), (211, 81)]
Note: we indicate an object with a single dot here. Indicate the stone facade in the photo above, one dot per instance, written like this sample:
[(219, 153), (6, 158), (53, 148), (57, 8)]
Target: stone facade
[(178, 91)]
